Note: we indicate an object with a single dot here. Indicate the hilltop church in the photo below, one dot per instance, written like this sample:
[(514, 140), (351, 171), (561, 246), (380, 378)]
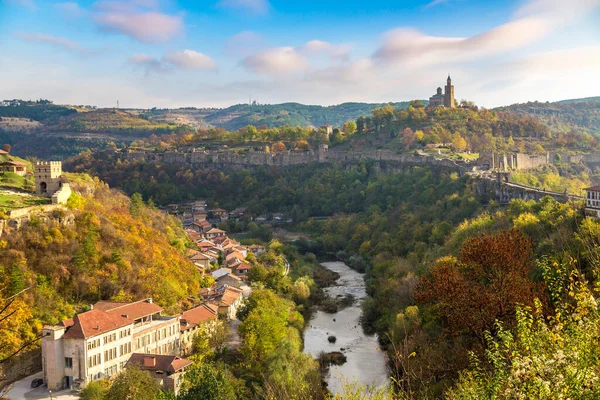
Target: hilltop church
[(446, 99)]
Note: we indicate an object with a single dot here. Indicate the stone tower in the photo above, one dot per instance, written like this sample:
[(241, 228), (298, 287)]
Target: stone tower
[(449, 94), (47, 177)]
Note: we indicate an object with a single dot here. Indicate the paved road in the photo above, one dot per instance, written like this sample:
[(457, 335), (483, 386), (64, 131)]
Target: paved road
[(22, 390)]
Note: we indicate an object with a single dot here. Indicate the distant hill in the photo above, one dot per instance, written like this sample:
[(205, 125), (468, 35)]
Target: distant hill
[(271, 115), (583, 100), (581, 115)]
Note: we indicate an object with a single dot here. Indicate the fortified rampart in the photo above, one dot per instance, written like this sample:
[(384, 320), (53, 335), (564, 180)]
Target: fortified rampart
[(205, 158)]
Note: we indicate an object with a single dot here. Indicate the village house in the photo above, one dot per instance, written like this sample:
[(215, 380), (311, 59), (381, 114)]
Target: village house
[(197, 321), (228, 300), (242, 269), (592, 201), (220, 272), (3, 153), (200, 216), (229, 280), (168, 370), (257, 249), (205, 245), (215, 233), (16, 167), (97, 343), (201, 260), (239, 213)]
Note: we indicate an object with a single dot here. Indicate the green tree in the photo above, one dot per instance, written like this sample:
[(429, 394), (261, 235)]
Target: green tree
[(134, 384), (208, 382), (349, 128), (96, 390), (136, 204)]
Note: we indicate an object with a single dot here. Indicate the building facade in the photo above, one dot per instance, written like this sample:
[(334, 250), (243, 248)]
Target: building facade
[(50, 181), (98, 343), (446, 99), (592, 201)]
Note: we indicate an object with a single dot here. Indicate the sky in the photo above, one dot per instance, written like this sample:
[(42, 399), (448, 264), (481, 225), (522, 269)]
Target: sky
[(216, 53)]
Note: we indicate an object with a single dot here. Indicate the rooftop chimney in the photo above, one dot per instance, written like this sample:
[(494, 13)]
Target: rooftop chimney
[(149, 300), (124, 315)]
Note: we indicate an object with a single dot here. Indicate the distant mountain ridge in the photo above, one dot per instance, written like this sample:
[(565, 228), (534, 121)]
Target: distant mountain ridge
[(275, 115)]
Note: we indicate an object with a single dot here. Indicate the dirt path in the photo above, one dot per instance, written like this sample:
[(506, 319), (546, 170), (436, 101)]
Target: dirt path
[(234, 340)]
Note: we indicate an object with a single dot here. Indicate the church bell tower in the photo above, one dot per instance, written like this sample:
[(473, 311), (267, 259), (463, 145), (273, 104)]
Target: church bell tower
[(449, 94)]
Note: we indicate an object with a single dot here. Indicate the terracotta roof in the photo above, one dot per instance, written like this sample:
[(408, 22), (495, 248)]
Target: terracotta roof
[(235, 254), (135, 310), (16, 163), (191, 252), (229, 297), (216, 230), (205, 243), (243, 267), (196, 316), (169, 364), (593, 188), (94, 322), (2, 152), (199, 256)]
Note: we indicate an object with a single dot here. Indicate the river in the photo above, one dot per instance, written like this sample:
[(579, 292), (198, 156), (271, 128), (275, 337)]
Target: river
[(366, 362)]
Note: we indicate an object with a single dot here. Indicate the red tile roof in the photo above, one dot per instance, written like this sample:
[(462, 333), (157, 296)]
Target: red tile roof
[(243, 267), (134, 311), (595, 188), (229, 297), (196, 316), (169, 364), (94, 322)]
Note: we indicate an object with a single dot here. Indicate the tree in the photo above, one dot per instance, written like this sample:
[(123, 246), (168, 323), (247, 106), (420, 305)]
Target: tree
[(6, 148), (278, 147), (209, 382), (408, 138), (301, 145), (133, 384), (458, 142), (485, 284), (136, 204), (96, 390), (349, 128)]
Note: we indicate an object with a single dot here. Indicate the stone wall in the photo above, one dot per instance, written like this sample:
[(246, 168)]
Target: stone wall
[(62, 195), (503, 192)]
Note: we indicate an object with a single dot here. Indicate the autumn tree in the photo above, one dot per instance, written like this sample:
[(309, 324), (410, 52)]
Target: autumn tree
[(301, 145), (278, 147), (6, 148), (485, 284), (408, 138), (458, 142)]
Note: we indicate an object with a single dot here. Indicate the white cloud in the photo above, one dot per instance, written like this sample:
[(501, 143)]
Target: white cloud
[(176, 60), (315, 47), (140, 20), (278, 61), (535, 20), (259, 7), (53, 40), (190, 59)]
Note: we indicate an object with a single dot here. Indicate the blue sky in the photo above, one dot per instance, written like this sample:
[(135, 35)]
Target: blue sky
[(169, 53)]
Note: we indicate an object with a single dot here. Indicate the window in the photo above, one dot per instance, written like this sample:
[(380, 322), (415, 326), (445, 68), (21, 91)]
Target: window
[(68, 362)]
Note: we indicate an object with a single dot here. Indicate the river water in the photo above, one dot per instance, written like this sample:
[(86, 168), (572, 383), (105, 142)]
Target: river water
[(366, 362)]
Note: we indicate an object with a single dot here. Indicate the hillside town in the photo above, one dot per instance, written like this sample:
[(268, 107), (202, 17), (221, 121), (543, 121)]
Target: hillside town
[(111, 336)]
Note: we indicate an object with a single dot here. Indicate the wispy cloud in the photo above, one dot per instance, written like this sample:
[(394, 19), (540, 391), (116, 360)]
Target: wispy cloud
[(280, 61), (243, 44), (24, 3), (258, 7), (176, 60), (53, 40), (70, 9), (138, 19), (435, 3), (532, 22)]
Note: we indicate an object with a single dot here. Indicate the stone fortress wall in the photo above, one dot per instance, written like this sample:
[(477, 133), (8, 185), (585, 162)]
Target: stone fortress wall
[(287, 158)]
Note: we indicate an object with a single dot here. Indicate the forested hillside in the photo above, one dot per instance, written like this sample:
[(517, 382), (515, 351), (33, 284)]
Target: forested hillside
[(580, 115), (468, 300), (103, 246)]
